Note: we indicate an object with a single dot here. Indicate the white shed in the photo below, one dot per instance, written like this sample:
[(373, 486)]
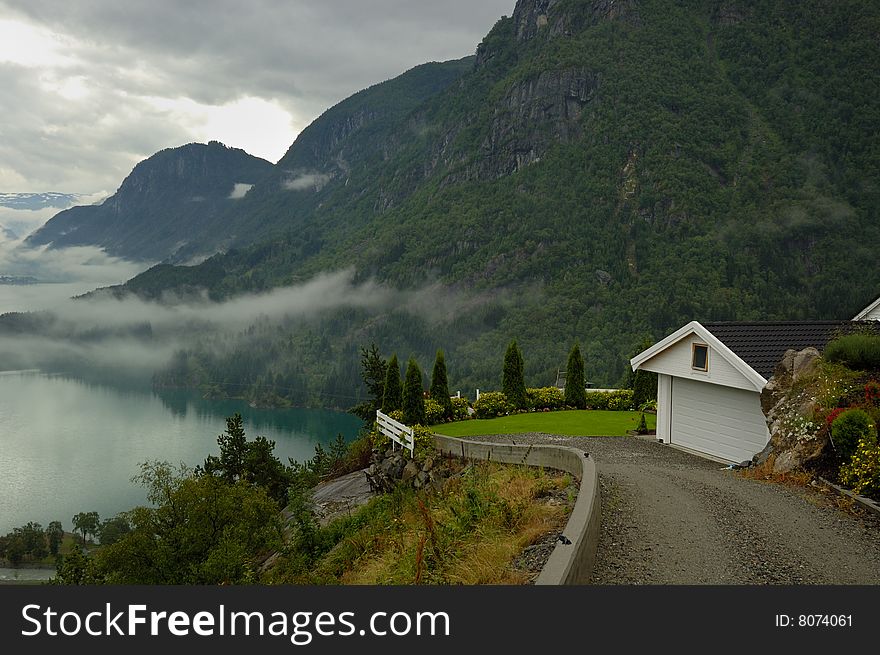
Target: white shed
[(710, 378)]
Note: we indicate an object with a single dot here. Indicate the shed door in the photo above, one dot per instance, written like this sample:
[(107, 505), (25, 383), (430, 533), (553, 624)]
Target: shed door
[(716, 420)]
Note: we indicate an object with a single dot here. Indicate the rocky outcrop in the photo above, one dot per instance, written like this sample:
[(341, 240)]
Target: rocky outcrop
[(536, 17), (392, 467), (534, 114), (795, 441)]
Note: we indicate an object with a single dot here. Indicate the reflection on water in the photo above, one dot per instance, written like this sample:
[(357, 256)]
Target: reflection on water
[(67, 446)]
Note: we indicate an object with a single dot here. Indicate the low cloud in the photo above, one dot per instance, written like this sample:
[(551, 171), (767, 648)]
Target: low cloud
[(307, 181), (130, 334), (240, 190)]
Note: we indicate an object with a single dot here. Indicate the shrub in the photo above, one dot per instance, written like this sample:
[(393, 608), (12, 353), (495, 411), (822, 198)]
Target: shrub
[(545, 397), (492, 404), (616, 401), (460, 409), (423, 437), (860, 351), (413, 395), (513, 384), (832, 416), (392, 397), (620, 400), (434, 412), (424, 440), (872, 392), (597, 399), (644, 387), (575, 394), (848, 429), (440, 386), (862, 471)]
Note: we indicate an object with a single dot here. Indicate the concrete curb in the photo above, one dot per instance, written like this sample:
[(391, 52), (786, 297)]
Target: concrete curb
[(867, 503), (571, 563)]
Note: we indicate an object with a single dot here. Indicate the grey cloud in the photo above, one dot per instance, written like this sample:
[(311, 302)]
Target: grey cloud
[(305, 54), (307, 181), (240, 190)]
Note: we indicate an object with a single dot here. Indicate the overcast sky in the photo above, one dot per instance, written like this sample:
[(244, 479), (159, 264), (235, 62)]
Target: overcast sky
[(90, 87)]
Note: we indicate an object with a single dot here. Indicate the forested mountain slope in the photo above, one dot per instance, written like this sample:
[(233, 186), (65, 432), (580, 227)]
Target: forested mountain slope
[(605, 171)]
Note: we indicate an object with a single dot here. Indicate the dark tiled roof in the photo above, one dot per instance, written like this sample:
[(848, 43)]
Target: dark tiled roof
[(762, 345)]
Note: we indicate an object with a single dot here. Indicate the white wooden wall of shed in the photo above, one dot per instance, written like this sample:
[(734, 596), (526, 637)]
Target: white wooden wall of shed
[(664, 405), (676, 360)]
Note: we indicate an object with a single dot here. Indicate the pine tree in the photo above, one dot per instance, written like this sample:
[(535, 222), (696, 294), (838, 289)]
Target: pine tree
[(575, 395), (392, 398), (440, 385), (513, 378), (413, 395)]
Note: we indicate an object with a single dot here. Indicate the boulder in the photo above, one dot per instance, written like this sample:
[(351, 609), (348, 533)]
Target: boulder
[(794, 440)]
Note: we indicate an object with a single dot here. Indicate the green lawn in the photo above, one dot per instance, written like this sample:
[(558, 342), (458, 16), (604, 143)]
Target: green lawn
[(578, 423)]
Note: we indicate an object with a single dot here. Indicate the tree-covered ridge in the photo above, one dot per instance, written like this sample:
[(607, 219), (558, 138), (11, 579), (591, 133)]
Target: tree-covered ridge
[(164, 207), (617, 175)]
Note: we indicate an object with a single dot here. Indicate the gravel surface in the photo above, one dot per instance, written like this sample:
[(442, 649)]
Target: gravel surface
[(669, 517)]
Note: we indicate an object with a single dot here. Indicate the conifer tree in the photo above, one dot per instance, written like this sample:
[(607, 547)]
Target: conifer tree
[(392, 398), (413, 395), (575, 395), (440, 385), (513, 377)]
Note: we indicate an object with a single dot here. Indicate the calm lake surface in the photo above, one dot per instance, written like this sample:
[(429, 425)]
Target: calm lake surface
[(67, 446)]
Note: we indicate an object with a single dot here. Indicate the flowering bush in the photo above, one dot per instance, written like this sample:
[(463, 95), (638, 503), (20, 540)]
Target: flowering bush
[(616, 401), (862, 471), (434, 412), (848, 429), (545, 398), (460, 409), (621, 400), (492, 404), (872, 392), (833, 415)]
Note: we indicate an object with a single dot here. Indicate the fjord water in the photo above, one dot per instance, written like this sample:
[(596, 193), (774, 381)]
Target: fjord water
[(67, 446)]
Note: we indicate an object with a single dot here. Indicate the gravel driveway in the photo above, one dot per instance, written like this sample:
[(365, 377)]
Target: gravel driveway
[(669, 517)]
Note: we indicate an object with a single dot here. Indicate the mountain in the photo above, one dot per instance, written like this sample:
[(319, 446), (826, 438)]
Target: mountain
[(164, 208), (604, 171), (34, 201)]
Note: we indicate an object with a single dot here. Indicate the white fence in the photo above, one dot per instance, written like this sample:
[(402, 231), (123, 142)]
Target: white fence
[(396, 431)]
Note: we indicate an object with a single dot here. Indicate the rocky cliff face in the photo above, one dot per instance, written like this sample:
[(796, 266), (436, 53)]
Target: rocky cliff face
[(554, 19), (533, 115)]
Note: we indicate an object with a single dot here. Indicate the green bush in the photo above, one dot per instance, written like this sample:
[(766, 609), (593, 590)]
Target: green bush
[(597, 399), (460, 409), (860, 351), (545, 398), (848, 429), (492, 404), (434, 412), (617, 401), (862, 471), (621, 400), (644, 387)]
